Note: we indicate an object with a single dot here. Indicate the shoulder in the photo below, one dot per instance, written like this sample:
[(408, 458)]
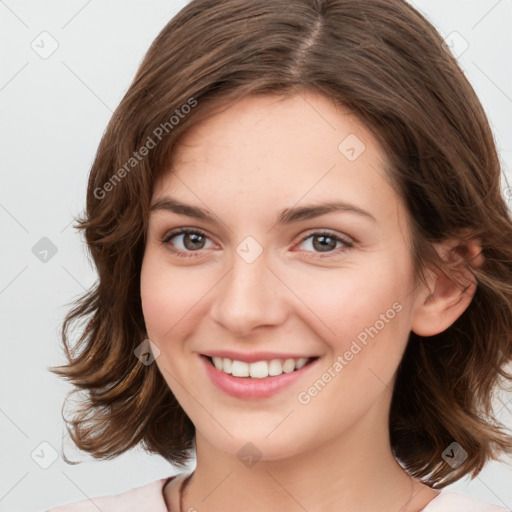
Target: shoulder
[(146, 497), (450, 500)]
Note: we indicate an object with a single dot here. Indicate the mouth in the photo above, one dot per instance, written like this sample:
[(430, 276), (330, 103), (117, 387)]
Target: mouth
[(259, 369), (254, 380)]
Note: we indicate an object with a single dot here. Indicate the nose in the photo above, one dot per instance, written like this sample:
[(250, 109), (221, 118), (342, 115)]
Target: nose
[(249, 296)]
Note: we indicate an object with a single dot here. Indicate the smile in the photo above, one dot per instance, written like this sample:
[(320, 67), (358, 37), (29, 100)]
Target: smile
[(258, 379), (259, 369)]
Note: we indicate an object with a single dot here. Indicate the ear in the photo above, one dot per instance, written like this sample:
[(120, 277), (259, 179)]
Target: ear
[(439, 304)]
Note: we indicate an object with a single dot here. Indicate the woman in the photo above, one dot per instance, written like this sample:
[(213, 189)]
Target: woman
[(304, 266)]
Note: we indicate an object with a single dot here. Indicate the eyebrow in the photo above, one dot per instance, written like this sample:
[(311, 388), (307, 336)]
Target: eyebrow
[(286, 216)]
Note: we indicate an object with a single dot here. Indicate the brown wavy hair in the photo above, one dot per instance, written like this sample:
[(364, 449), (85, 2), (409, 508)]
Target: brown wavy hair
[(387, 63)]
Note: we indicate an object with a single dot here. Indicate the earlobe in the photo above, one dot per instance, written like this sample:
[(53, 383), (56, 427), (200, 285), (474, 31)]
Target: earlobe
[(447, 296)]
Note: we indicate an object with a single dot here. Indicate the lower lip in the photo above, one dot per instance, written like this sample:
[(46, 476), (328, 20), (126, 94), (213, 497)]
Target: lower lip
[(246, 387)]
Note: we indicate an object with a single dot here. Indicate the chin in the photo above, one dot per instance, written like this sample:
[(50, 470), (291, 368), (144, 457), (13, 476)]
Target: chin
[(251, 447)]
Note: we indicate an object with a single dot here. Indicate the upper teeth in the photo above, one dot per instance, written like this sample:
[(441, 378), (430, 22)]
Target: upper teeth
[(258, 369)]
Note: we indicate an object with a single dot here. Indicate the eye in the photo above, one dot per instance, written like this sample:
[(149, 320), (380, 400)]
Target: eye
[(184, 242), (188, 240), (326, 242)]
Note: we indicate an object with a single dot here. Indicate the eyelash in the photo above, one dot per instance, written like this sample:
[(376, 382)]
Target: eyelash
[(191, 254)]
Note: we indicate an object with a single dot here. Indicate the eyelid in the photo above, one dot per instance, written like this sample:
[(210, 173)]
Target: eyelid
[(329, 232), (183, 230)]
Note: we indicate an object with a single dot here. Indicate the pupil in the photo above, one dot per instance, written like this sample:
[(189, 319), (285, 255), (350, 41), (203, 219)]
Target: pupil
[(194, 238), (322, 246)]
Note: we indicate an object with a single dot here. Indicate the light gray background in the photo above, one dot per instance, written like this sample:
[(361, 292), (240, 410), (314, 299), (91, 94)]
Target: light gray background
[(54, 111)]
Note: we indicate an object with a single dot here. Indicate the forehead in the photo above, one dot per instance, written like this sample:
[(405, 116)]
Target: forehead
[(264, 151), (304, 124)]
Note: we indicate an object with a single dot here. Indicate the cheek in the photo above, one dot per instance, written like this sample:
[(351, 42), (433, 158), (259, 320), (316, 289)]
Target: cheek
[(170, 298), (363, 315), (351, 301), (365, 320), (160, 301)]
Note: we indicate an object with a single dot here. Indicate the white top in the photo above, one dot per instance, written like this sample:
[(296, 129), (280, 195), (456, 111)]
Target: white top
[(450, 500), (149, 498)]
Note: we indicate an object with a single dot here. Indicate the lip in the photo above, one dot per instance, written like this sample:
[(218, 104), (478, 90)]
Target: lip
[(248, 388), (252, 357)]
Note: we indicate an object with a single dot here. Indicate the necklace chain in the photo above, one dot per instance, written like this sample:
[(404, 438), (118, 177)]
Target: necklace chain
[(182, 489)]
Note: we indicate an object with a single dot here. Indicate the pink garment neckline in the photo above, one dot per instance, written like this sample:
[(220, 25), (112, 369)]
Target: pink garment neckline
[(168, 479)]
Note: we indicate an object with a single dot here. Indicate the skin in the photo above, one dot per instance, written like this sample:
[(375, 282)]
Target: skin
[(245, 165)]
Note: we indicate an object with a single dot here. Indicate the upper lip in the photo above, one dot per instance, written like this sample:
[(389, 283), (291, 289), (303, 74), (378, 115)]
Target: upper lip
[(252, 357)]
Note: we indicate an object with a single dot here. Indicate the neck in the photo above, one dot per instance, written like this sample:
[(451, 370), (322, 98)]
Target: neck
[(353, 472)]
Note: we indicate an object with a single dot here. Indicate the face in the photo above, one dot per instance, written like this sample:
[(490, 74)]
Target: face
[(255, 268)]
